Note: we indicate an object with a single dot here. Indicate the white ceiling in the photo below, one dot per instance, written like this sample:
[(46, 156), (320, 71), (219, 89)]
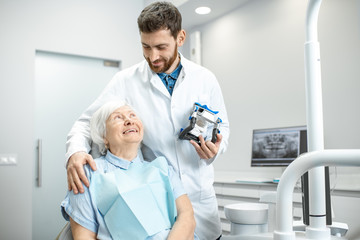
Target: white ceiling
[(218, 9), (191, 19)]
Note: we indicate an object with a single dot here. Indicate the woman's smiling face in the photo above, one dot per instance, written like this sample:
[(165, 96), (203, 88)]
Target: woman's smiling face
[(123, 127)]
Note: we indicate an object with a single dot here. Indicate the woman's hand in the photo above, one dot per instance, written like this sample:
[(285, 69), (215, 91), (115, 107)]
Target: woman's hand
[(75, 171)]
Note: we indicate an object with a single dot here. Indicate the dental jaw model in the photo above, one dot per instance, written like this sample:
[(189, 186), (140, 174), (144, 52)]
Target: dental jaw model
[(199, 120)]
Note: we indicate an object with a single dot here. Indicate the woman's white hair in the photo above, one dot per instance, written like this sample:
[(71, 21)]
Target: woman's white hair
[(98, 122)]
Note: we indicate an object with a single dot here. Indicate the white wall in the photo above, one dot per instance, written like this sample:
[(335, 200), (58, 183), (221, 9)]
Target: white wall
[(257, 52), (104, 29)]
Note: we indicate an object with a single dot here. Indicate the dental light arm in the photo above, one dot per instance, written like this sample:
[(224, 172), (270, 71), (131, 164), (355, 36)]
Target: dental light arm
[(284, 218), (314, 114)]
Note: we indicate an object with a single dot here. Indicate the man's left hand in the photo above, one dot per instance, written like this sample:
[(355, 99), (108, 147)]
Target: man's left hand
[(208, 149)]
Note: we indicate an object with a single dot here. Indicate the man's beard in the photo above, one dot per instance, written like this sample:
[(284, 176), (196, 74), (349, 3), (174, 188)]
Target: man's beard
[(167, 63)]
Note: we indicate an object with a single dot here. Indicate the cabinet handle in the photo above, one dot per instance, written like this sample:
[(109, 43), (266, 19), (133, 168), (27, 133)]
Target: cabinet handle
[(39, 163)]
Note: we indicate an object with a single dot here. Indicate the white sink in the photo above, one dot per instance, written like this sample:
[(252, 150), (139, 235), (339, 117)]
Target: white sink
[(247, 213)]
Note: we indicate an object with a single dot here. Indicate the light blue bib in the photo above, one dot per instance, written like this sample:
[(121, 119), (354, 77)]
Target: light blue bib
[(137, 202)]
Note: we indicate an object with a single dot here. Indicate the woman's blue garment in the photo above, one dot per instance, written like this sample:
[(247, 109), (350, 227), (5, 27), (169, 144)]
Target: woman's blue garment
[(127, 200), (145, 202)]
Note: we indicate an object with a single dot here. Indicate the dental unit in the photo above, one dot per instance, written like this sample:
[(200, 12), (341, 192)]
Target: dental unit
[(312, 162)]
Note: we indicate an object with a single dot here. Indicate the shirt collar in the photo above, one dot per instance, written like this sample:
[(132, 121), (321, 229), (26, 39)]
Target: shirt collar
[(174, 74), (118, 162)]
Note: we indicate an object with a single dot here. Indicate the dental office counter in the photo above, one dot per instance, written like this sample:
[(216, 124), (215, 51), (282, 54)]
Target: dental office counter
[(230, 190)]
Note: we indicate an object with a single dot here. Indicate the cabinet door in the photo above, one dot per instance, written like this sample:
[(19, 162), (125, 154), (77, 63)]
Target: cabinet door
[(65, 85)]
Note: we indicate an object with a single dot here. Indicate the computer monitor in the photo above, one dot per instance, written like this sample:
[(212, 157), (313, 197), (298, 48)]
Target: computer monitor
[(277, 147)]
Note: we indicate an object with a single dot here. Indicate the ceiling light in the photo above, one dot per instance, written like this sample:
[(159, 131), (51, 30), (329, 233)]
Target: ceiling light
[(203, 10)]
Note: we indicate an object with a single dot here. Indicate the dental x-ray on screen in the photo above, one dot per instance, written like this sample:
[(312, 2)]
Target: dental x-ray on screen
[(277, 146)]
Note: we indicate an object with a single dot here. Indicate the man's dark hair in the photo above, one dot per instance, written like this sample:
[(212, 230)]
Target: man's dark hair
[(159, 16)]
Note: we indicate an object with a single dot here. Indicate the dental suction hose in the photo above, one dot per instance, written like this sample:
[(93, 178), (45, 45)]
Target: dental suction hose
[(305, 162)]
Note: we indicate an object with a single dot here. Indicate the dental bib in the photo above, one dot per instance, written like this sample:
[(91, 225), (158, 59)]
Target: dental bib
[(137, 202)]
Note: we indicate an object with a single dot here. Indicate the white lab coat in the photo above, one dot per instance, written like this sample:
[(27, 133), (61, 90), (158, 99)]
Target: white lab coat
[(163, 116)]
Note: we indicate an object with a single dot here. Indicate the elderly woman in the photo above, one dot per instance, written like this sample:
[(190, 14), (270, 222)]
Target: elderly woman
[(128, 198)]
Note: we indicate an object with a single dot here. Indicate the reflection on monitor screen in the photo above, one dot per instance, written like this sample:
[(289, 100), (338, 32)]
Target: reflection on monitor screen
[(277, 146)]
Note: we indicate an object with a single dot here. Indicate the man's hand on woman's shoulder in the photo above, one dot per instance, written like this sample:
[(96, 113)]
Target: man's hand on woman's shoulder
[(75, 171)]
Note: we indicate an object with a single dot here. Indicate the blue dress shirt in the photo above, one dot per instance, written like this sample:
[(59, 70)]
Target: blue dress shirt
[(169, 80)]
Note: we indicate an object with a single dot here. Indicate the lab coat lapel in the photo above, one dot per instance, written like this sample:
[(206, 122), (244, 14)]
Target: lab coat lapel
[(156, 82), (180, 79)]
